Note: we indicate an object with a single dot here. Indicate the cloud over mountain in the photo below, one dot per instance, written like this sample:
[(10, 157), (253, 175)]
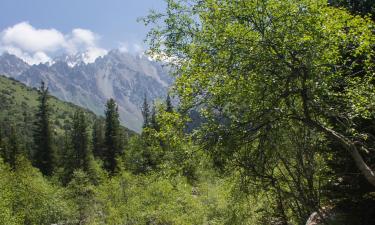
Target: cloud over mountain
[(36, 46)]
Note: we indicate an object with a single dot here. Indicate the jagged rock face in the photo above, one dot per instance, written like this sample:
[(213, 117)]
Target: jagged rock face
[(12, 66), (124, 77)]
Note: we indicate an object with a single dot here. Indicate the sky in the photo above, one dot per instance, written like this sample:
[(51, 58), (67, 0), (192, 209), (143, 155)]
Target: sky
[(38, 30)]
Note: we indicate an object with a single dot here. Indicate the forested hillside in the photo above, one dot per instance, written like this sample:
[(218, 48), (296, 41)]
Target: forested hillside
[(62, 164), (19, 104), (275, 125), (120, 75)]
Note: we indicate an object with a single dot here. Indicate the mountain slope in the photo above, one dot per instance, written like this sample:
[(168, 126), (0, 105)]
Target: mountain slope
[(19, 103), (122, 76), (12, 66)]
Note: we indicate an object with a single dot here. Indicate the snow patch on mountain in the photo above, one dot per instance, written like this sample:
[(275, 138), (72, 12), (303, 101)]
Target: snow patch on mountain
[(86, 57)]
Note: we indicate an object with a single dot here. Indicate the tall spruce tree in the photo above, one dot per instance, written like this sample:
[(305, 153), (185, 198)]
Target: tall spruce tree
[(67, 157), (98, 138), (153, 121), (44, 155), (112, 136), (13, 147), (168, 103), (145, 112), (80, 142), (10, 146), (2, 145)]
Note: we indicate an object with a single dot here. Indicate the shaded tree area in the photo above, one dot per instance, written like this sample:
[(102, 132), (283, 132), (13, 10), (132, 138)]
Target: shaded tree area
[(98, 138), (351, 188), (10, 146), (361, 7)]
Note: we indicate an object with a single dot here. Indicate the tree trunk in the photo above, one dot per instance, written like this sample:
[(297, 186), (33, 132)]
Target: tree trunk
[(362, 166), (348, 145)]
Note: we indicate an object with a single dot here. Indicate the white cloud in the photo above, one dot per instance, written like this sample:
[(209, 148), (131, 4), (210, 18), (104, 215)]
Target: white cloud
[(80, 40), (30, 58), (36, 46), (27, 38), (132, 48), (85, 36), (93, 53)]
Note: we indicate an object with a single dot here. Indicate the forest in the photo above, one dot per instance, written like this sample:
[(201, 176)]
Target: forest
[(271, 121)]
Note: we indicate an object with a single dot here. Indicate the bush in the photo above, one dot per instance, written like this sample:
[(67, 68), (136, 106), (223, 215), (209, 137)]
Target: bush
[(27, 198)]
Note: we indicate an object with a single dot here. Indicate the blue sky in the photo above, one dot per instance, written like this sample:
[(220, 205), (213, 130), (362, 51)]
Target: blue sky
[(110, 22)]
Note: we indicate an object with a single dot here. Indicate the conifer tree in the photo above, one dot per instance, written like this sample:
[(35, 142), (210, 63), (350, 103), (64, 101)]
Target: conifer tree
[(67, 157), (44, 153), (98, 139), (80, 142), (168, 103), (112, 136), (146, 112), (10, 147), (2, 146), (153, 121), (13, 148)]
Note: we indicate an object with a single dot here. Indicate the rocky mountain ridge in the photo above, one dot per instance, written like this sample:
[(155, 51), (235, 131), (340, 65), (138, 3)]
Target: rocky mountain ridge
[(125, 77)]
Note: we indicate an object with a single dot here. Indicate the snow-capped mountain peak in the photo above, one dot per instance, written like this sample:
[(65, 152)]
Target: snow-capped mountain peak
[(86, 57)]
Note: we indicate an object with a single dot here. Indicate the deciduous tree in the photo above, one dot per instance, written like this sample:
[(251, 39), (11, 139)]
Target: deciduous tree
[(255, 64)]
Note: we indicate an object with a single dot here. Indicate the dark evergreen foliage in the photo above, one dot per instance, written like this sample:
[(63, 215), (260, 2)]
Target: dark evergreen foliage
[(98, 139), (10, 146), (44, 156), (80, 142), (361, 7), (153, 120), (168, 103), (14, 148), (112, 136), (145, 112)]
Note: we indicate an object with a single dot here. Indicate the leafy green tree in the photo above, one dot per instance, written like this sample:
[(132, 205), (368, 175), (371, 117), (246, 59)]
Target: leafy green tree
[(81, 191), (44, 156), (113, 147), (28, 198), (350, 186), (144, 153), (142, 157), (256, 64)]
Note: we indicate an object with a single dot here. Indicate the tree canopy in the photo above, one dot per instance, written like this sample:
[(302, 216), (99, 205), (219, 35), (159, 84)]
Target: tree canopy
[(255, 65)]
